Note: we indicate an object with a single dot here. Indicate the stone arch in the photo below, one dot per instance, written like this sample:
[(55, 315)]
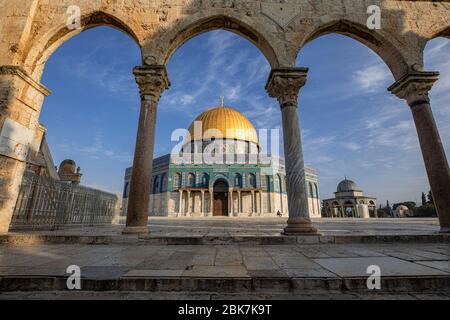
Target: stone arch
[(443, 32), (191, 180), (155, 184), (204, 180), (37, 55), (311, 189), (374, 40), (163, 183), (168, 41), (237, 180), (177, 179), (251, 180), (218, 177)]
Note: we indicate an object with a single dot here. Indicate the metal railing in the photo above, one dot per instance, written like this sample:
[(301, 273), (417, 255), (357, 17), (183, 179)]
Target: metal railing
[(48, 204)]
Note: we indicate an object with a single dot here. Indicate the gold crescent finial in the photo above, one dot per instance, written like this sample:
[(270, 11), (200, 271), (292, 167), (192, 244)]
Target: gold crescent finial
[(222, 101)]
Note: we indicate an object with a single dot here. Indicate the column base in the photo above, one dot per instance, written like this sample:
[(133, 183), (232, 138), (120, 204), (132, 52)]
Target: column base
[(444, 230), (299, 226), (136, 230)]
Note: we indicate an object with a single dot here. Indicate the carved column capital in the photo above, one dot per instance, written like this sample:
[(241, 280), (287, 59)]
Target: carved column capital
[(152, 80), (284, 84), (414, 87)]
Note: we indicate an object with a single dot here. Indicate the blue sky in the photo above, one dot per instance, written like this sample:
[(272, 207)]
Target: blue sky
[(351, 125)]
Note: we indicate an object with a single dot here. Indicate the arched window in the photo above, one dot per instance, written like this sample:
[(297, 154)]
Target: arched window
[(276, 183), (316, 191), (205, 180), (163, 183), (283, 183), (251, 180), (265, 182), (125, 190), (155, 184), (311, 190), (238, 180), (176, 180), (191, 180)]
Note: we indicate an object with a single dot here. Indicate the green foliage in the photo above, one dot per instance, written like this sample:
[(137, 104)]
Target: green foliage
[(428, 210), (424, 199), (383, 213), (430, 197)]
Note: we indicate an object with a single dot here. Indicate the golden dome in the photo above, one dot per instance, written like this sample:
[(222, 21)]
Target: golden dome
[(229, 122)]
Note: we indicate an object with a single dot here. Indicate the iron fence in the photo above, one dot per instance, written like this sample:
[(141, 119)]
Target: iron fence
[(45, 203)]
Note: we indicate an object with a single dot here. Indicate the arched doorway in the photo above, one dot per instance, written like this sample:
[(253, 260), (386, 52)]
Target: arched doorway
[(220, 204)]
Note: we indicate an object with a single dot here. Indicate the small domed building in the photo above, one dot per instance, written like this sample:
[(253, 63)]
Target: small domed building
[(69, 172), (402, 211), (220, 170), (349, 202)]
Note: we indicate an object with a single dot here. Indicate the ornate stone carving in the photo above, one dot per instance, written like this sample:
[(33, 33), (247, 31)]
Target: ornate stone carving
[(414, 87), (284, 84), (152, 80), (163, 11)]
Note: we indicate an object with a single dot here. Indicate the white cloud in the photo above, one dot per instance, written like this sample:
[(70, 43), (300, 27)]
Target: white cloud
[(351, 146), (372, 77)]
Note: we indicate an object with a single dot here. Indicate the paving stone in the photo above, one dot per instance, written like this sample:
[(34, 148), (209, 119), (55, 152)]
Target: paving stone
[(153, 273), (441, 265), (101, 273), (357, 267), (260, 263), (272, 273), (204, 260), (312, 271), (217, 271)]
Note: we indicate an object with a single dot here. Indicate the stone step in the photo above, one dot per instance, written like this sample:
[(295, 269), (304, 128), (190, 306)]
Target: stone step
[(402, 284), (21, 239), (204, 296)]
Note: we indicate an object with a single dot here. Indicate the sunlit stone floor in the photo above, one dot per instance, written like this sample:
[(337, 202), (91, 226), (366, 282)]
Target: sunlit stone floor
[(261, 227)]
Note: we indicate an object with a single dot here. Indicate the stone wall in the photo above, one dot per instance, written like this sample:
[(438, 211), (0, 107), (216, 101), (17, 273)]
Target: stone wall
[(31, 30)]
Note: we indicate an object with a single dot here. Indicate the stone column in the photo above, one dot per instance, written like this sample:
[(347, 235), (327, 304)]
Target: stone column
[(260, 202), (211, 202), (230, 201), (253, 202), (180, 207), (202, 209), (414, 88), (21, 99), (188, 211), (152, 81), (239, 202), (285, 84)]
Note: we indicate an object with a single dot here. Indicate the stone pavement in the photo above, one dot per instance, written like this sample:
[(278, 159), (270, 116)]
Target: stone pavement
[(230, 259), (231, 269), (211, 231)]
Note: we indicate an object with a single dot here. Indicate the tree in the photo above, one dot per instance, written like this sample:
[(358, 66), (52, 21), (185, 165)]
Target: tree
[(428, 210), (424, 199), (430, 198)]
